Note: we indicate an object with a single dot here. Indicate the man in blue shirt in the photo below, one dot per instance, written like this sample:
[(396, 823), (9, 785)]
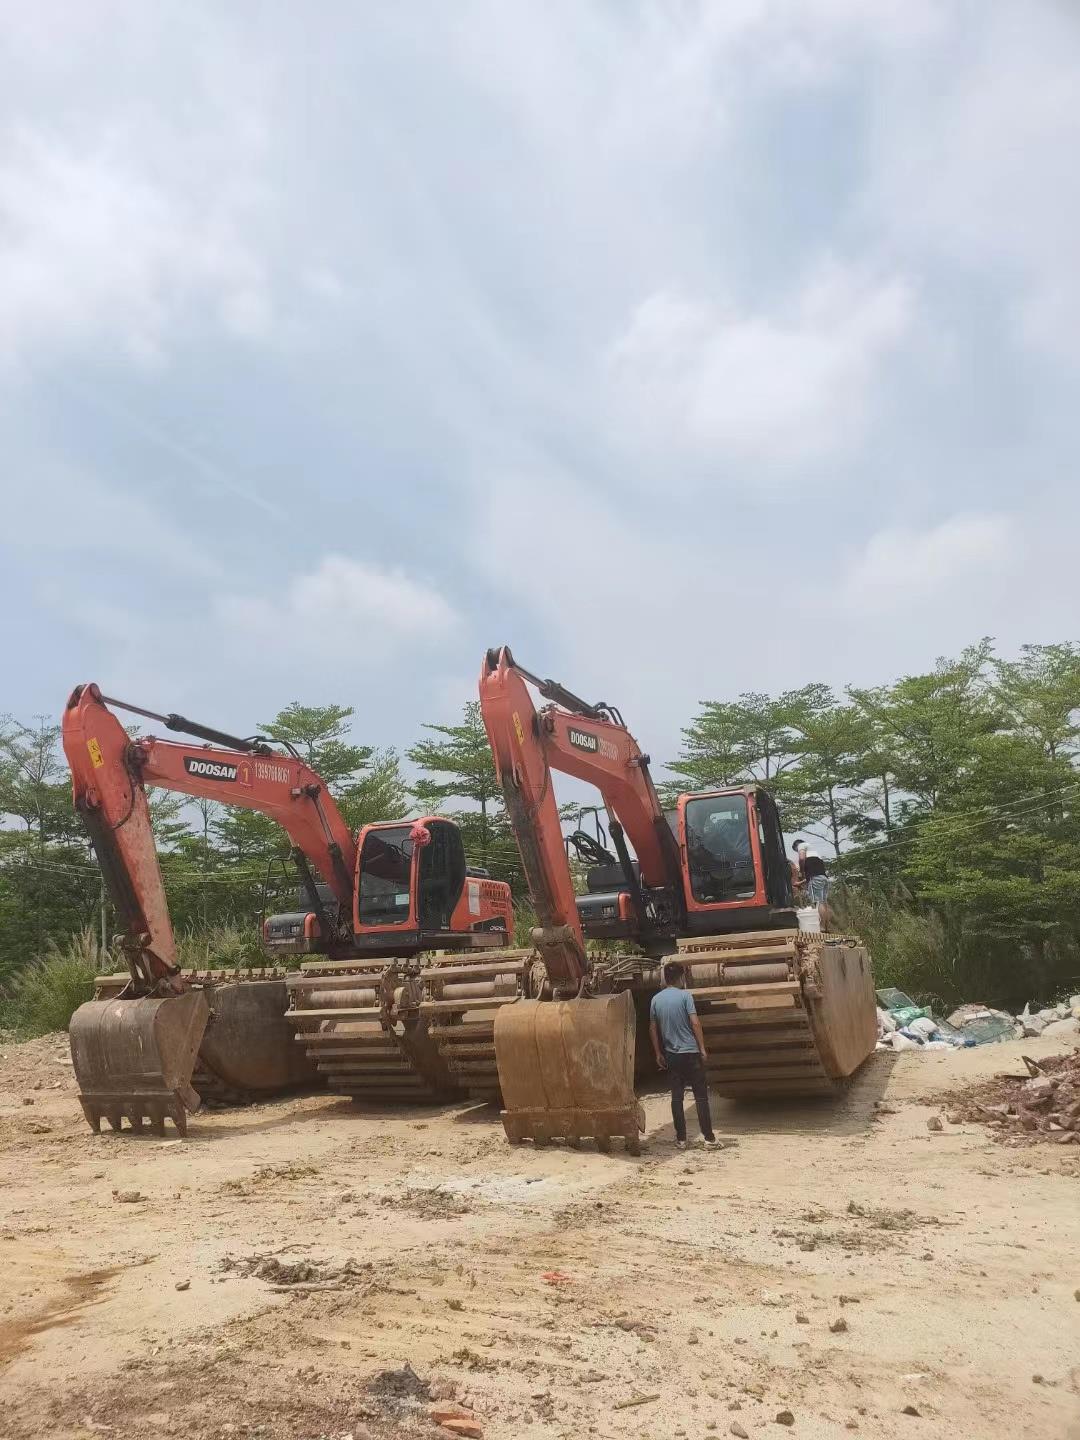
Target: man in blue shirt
[(679, 1045)]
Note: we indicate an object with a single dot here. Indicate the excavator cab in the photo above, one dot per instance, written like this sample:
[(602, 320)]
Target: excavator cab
[(414, 890), (733, 870), (735, 876)]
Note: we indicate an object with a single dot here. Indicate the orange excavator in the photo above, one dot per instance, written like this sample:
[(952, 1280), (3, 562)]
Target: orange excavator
[(784, 1014), (370, 905)]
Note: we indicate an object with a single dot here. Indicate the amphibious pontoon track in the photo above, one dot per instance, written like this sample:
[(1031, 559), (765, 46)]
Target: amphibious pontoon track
[(783, 1013), (460, 1003)]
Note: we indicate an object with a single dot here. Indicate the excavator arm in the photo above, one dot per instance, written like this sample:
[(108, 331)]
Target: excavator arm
[(591, 743), (566, 1065), (135, 1053), (110, 772)]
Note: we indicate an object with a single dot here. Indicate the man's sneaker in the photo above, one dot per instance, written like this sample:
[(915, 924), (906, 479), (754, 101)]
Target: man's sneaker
[(713, 1144), (680, 1144)]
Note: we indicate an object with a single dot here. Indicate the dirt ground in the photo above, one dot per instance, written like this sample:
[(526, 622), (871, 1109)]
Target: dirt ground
[(837, 1262)]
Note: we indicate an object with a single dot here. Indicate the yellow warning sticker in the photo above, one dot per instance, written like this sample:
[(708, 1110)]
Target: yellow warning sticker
[(96, 757), (518, 728)]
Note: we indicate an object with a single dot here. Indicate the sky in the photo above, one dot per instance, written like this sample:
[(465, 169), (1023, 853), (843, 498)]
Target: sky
[(687, 348)]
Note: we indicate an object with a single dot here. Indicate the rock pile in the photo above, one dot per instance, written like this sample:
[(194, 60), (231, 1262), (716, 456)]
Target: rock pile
[(1044, 1105)]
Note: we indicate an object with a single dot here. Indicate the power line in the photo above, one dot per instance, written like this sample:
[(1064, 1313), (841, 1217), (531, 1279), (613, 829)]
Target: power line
[(955, 823)]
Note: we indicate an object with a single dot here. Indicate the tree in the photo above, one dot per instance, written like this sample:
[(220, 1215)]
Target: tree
[(871, 817), (928, 725), (247, 836), (801, 744), (1003, 863), (822, 787), (320, 736), (751, 738), (380, 793), (49, 885), (1040, 692)]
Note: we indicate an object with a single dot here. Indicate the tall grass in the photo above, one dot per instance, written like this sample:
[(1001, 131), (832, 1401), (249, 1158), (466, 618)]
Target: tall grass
[(525, 921), (46, 994), (944, 959), (224, 947), (909, 949), (43, 996)]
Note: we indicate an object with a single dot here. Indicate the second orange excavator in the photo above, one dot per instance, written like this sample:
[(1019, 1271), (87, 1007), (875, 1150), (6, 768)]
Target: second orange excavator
[(784, 1014)]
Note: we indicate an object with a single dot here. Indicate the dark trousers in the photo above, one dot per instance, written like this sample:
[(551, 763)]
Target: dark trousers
[(689, 1070)]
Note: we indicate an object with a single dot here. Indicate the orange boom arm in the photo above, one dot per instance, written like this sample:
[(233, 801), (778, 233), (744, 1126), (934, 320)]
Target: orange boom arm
[(109, 774), (591, 743)]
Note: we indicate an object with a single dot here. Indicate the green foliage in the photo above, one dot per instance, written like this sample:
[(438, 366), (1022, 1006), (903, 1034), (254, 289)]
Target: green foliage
[(245, 835), (213, 859), (950, 801), (460, 767), (753, 738), (49, 991), (320, 736), (952, 796), (819, 791), (927, 725), (379, 794), (910, 950), (525, 922), (366, 783), (222, 947)]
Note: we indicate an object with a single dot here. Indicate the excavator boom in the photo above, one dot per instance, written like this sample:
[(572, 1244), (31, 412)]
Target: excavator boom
[(591, 743), (134, 1054), (567, 1068)]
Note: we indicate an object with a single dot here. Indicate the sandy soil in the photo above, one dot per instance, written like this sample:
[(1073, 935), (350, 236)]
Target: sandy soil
[(711, 1287)]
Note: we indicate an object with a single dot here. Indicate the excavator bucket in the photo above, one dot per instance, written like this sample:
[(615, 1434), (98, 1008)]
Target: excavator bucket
[(134, 1059), (566, 1070)]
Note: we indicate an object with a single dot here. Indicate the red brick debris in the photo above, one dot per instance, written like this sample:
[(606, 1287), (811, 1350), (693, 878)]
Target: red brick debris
[(1043, 1105)]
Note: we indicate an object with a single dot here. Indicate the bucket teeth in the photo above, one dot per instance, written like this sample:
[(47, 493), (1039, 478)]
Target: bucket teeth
[(134, 1058), (566, 1069), (151, 1109)]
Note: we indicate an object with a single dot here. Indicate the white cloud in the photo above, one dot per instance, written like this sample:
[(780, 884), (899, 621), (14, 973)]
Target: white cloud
[(973, 160), (343, 607), (784, 387), (574, 246), (634, 616), (903, 565), (64, 510), (92, 247)]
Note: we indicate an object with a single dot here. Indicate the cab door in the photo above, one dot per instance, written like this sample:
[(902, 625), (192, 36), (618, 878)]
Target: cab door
[(384, 866), (440, 875)]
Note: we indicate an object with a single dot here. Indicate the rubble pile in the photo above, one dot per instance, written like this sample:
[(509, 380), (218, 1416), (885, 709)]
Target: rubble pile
[(1019, 1110), (903, 1025)]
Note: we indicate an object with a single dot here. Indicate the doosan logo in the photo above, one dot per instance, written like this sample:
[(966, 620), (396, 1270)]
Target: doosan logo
[(209, 769), (583, 740)]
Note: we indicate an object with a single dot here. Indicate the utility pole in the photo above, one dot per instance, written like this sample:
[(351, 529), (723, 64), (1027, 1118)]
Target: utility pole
[(104, 922)]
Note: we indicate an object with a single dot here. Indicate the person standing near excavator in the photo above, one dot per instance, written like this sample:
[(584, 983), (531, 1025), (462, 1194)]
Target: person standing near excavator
[(679, 1045), (816, 880)]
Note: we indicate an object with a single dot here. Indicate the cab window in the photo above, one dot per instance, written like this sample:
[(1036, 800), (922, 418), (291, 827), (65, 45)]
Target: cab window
[(385, 873), (718, 849)]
